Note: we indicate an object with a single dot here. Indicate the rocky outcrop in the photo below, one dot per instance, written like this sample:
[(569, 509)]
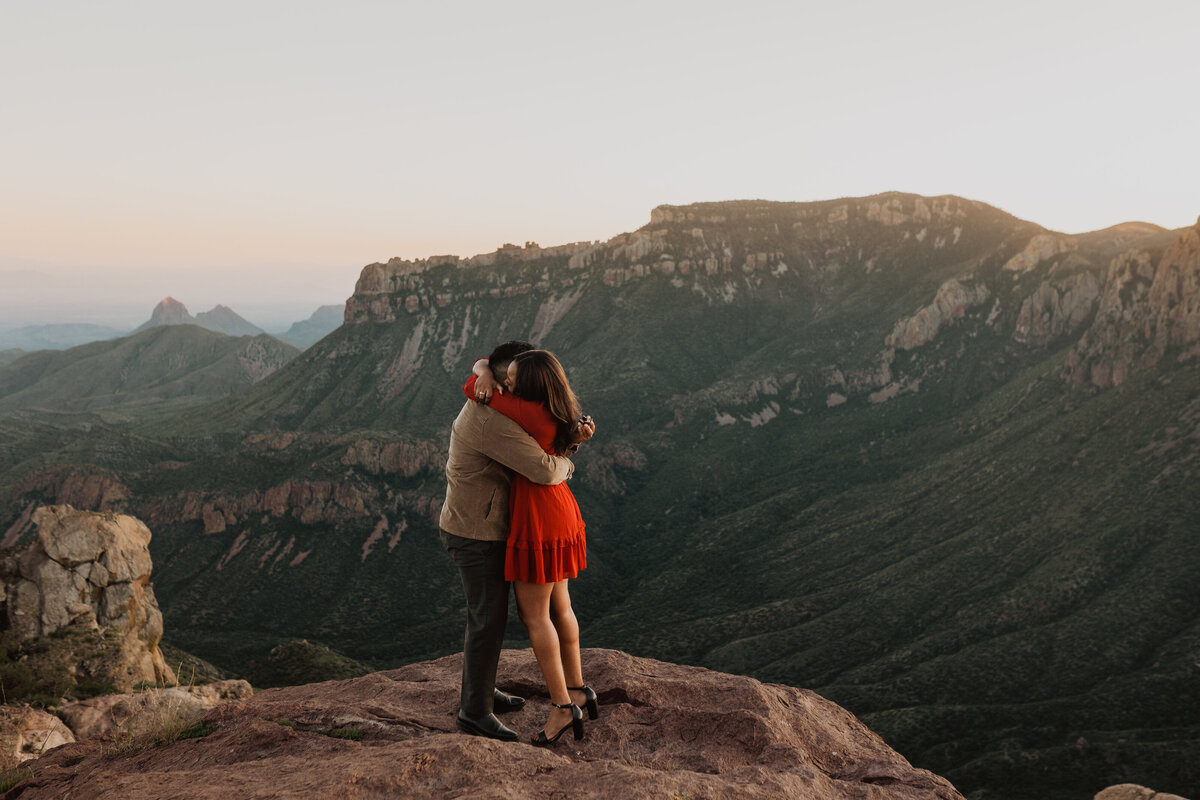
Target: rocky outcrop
[(310, 502), (1041, 248), (385, 291), (1148, 307), (951, 302), (664, 731), (891, 208), (1132, 791), (708, 248), (27, 733), (1056, 309), (91, 489), (95, 567), (261, 355), (105, 715), (379, 457)]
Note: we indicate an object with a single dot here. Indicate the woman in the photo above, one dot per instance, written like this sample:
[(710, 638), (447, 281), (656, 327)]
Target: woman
[(546, 544)]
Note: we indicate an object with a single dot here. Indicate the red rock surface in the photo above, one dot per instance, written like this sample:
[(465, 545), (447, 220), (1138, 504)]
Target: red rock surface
[(664, 731)]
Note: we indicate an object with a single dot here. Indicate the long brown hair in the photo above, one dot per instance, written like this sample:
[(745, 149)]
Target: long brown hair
[(541, 378)]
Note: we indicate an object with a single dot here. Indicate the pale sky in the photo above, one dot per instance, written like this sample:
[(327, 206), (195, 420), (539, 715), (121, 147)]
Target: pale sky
[(258, 154)]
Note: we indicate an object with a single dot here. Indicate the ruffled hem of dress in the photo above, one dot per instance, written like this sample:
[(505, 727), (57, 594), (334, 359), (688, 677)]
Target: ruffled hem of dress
[(547, 563)]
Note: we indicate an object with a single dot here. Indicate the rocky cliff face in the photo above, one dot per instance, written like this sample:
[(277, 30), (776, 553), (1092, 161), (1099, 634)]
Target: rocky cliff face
[(1057, 308), (1041, 248), (664, 731), (704, 248), (93, 566), (92, 489), (951, 302), (1040, 293), (1150, 307)]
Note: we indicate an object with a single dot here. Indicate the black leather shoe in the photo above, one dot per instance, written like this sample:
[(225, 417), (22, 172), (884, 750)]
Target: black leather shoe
[(504, 702), (487, 726)]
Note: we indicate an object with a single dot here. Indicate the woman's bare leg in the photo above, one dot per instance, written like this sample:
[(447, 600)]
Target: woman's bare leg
[(567, 628), (533, 605)]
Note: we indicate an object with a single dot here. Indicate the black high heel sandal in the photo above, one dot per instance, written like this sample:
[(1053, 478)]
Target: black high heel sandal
[(592, 709), (576, 723)]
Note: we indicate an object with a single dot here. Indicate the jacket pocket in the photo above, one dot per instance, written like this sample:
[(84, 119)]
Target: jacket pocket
[(495, 509)]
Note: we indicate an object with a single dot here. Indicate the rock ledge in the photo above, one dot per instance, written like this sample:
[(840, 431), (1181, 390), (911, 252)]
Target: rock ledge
[(664, 731)]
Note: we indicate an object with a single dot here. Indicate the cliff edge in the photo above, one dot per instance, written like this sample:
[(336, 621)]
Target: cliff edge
[(664, 731)]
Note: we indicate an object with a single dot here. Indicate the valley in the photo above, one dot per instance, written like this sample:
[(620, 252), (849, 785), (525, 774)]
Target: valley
[(933, 462)]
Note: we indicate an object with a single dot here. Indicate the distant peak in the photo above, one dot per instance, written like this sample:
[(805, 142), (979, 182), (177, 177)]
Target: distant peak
[(169, 311), (224, 319)]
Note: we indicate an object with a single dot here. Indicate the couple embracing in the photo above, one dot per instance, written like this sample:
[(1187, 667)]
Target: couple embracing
[(509, 518)]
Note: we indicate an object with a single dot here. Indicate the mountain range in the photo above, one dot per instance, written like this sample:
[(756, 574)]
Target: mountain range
[(221, 319), (169, 311), (56, 336), (159, 364), (931, 460)]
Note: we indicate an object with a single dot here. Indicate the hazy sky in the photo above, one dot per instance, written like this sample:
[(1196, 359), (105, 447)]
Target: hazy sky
[(258, 154)]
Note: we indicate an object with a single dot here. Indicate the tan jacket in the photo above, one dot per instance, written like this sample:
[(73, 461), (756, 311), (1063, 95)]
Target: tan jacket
[(483, 442)]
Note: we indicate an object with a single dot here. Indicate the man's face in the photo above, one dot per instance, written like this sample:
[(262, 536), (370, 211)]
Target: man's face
[(511, 380)]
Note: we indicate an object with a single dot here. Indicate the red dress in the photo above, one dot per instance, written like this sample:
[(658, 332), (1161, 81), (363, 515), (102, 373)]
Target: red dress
[(545, 531)]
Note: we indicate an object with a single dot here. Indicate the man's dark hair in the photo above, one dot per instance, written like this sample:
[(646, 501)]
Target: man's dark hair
[(507, 352)]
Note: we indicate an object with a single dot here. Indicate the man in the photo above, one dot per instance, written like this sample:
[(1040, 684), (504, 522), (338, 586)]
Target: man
[(484, 446)]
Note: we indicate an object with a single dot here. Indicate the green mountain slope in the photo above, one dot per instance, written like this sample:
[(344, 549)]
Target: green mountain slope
[(159, 364), (926, 458), (307, 332)]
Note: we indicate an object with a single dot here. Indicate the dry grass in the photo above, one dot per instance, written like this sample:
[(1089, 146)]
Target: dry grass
[(158, 723), (12, 776)]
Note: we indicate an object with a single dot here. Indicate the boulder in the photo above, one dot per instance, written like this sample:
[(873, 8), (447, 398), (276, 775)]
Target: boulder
[(27, 733), (664, 731), (92, 567), (138, 712)]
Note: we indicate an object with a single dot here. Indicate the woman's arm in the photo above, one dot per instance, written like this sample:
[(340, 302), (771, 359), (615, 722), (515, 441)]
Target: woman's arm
[(526, 413), (486, 384)]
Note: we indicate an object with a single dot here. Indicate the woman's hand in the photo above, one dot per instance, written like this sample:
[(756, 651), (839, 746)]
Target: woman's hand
[(485, 385), (584, 429), (485, 381)]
